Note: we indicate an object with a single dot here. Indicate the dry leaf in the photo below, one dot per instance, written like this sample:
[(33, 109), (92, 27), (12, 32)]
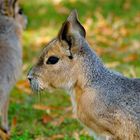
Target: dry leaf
[(58, 121), (61, 9), (130, 58), (14, 122), (24, 86), (100, 51), (76, 136), (113, 64), (44, 107), (46, 118), (56, 137)]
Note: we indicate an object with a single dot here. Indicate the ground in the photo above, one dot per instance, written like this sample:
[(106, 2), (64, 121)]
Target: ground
[(113, 31)]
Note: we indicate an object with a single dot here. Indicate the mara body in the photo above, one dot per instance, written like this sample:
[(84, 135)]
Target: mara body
[(106, 102)]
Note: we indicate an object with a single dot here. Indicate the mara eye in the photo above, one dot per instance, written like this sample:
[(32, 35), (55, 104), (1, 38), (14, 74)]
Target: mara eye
[(20, 11), (52, 60)]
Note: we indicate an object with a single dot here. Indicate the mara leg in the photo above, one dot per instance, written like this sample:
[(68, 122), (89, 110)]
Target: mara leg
[(4, 118), (4, 114)]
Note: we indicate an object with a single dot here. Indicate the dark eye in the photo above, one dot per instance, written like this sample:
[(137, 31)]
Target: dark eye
[(52, 60), (20, 11)]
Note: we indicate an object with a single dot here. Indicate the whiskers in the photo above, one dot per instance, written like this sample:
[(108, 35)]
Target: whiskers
[(40, 94), (37, 88)]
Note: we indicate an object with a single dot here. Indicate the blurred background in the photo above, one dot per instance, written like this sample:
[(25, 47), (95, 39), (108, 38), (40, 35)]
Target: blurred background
[(113, 31)]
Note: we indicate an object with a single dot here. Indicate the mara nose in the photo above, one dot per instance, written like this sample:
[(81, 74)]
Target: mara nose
[(29, 78), (29, 75)]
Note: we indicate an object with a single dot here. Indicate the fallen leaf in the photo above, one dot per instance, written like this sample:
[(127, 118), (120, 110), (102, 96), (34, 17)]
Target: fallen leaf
[(14, 122), (46, 118), (61, 9), (76, 136), (57, 136), (130, 58), (44, 107), (58, 121), (113, 64), (24, 86)]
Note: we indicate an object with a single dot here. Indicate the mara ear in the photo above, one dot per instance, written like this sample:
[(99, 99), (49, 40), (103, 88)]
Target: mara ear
[(4, 7), (12, 6), (7, 7), (71, 28), (14, 3)]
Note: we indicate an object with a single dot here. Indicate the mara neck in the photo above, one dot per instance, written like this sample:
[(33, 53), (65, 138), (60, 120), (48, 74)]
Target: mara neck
[(92, 66)]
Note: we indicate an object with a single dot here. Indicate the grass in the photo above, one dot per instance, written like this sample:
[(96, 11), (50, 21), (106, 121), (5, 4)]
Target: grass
[(112, 30)]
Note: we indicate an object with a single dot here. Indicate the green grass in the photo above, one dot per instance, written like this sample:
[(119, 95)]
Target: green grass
[(45, 19)]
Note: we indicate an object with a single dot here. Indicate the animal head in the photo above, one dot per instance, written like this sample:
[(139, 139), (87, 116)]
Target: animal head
[(59, 63), (10, 8)]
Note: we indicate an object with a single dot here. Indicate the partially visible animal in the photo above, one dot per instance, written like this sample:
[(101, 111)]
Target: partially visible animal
[(12, 23)]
